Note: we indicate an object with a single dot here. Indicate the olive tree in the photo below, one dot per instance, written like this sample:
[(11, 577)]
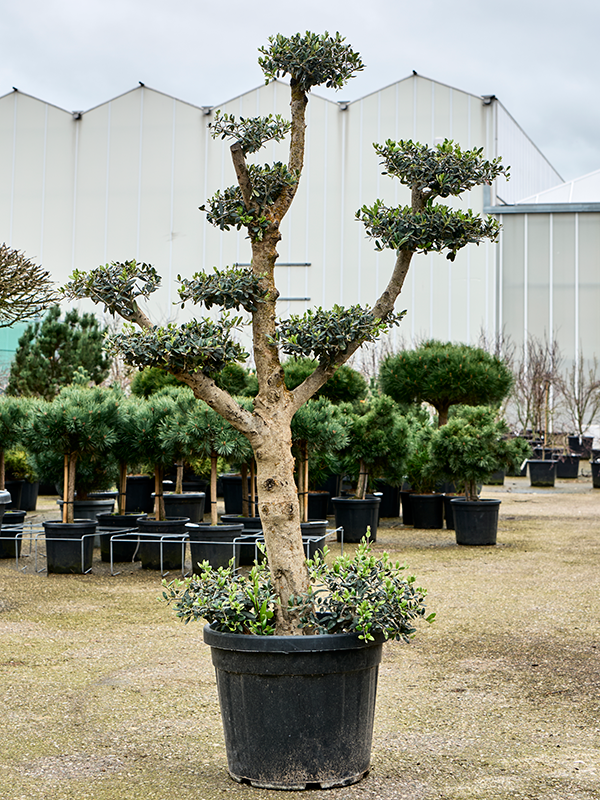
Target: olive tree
[(198, 350)]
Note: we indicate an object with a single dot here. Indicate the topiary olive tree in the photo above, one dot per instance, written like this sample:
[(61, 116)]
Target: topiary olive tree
[(198, 350), (445, 374)]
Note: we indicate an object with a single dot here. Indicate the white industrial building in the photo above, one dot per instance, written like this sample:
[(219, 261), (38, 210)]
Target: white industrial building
[(124, 180)]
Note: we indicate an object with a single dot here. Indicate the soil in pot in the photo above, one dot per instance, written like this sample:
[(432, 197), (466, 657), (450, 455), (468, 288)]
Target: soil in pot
[(126, 546), (475, 521), (287, 722), (355, 516), (70, 545), (427, 510), (164, 538), (212, 543), (542, 472), (11, 528)]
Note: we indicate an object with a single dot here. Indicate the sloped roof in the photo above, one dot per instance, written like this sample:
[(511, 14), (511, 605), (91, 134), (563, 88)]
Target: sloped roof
[(585, 189)]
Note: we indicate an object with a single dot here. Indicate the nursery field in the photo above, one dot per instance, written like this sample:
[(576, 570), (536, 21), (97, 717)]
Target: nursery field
[(106, 696)]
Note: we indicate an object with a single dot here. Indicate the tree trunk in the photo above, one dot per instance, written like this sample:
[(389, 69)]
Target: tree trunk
[(2, 470), (65, 508), (363, 481), (159, 500), (179, 478), (244, 473), (253, 508), (471, 490), (280, 516), (71, 488), (213, 489), (442, 415), (122, 502)]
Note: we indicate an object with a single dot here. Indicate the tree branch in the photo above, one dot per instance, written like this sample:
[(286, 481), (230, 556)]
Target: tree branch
[(241, 171)]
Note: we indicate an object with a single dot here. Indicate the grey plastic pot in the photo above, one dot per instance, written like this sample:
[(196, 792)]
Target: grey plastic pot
[(297, 711)]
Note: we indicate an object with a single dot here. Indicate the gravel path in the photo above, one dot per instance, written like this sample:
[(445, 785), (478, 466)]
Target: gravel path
[(106, 696)]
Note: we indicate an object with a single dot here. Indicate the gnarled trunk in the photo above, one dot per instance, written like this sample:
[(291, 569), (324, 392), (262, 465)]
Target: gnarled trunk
[(280, 516)]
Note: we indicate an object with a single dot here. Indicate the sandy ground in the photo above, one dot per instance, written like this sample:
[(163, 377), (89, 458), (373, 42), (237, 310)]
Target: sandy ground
[(106, 696)]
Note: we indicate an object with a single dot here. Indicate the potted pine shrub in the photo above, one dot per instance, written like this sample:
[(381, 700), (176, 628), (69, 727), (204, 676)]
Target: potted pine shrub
[(473, 444), (378, 441), (162, 538), (78, 424), (425, 502), (204, 432), (196, 352)]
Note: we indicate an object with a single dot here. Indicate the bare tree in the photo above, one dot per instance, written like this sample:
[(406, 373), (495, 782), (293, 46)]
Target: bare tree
[(25, 288), (536, 390), (580, 389)]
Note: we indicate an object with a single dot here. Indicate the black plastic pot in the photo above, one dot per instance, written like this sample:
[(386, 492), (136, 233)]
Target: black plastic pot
[(318, 504), (212, 543), (390, 499), (407, 515), (574, 443), (29, 495), (138, 495), (496, 478), (15, 488), (232, 492), (89, 509), (448, 511), (297, 711), (427, 510), (567, 467), (126, 546), (542, 472), (162, 536), (189, 504), (355, 516), (70, 545), (11, 526), (587, 443), (248, 523), (314, 534), (596, 474), (475, 521)]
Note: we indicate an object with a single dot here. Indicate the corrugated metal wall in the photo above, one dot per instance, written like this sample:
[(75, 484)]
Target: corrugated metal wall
[(549, 280), (125, 181)]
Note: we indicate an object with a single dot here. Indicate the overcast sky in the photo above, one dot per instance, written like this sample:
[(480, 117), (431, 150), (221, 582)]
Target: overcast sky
[(539, 57)]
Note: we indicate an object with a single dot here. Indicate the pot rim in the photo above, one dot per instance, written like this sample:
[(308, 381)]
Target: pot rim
[(287, 644)]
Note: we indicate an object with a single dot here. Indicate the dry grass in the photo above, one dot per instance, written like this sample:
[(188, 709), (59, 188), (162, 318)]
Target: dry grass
[(106, 696)]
